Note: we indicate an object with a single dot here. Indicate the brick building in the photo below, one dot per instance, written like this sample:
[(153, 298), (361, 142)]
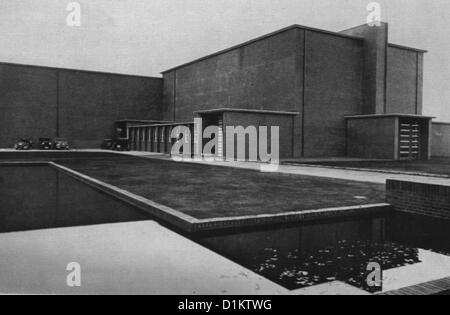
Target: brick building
[(349, 93)]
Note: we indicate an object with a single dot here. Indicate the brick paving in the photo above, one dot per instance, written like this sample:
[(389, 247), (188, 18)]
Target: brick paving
[(441, 286)]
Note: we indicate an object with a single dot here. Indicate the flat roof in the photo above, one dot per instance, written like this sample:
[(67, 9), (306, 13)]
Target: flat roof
[(163, 124), (77, 70), (239, 110), (388, 115), (295, 26), (143, 120), (289, 28), (407, 48), (441, 123)]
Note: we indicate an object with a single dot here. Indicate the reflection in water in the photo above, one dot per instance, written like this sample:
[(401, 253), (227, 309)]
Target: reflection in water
[(40, 197), (315, 253), (294, 256)]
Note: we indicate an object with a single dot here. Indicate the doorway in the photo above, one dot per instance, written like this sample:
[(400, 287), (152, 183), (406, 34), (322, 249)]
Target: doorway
[(410, 140)]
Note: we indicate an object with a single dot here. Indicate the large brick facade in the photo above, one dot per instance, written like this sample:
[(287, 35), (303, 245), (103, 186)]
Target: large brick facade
[(79, 105), (315, 73), (324, 77)]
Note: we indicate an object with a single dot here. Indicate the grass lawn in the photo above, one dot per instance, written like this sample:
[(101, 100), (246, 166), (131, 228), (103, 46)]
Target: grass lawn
[(212, 191), (435, 166)]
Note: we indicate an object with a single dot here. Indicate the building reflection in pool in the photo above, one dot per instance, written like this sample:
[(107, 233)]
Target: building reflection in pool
[(315, 253)]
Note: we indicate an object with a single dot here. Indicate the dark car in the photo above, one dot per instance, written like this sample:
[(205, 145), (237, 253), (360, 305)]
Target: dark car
[(61, 144), (45, 144), (23, 144), (115, 145), (120, 145), (107, 144)]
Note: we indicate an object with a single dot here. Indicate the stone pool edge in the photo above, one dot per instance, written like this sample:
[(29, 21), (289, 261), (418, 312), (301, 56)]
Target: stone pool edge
[(289, 217), (190, 224)]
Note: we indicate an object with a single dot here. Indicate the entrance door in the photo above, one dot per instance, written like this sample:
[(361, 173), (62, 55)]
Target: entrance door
[(410, 140), (214, 120)]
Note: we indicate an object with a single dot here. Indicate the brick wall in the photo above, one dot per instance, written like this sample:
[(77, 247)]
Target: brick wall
[(404, 81), (81, 106), (419, 198), (372, 137), (284, 122), (90, 103), (317, 74), (333, 89), (440, 140)]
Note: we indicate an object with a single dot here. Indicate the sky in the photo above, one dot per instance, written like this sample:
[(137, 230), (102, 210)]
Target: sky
[(145, 37)]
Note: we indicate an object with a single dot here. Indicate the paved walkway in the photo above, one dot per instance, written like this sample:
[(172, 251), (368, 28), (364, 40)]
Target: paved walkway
[(362, 176), (318, 171), (124, 258)]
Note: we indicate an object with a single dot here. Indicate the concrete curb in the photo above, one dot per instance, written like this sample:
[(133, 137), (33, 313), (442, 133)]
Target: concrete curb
[(368, 170), (289, 217), (167, 214), (190, 224)]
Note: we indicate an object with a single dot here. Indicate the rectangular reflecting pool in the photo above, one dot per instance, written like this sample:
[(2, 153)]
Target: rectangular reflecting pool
[(40, 197), (410, 249)]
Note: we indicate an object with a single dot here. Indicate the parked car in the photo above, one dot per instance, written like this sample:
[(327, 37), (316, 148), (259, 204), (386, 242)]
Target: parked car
[(107, 144), (61, 144), (23, 144), (120, 145), (115, 145), (45, 144)]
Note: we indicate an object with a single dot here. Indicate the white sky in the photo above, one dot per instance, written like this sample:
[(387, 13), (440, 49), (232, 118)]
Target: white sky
[(146, 37)]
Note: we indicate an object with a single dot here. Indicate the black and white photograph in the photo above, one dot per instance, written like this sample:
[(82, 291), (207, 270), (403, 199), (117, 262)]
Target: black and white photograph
[(225, 153)]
